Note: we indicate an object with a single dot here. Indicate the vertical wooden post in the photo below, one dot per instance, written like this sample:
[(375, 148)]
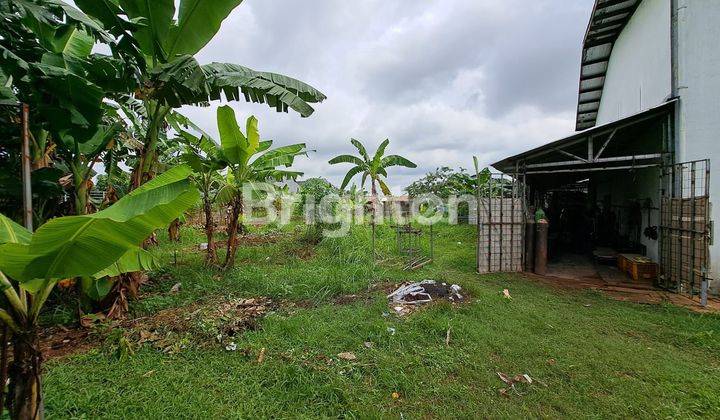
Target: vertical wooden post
[(530, 246), (26, 180)]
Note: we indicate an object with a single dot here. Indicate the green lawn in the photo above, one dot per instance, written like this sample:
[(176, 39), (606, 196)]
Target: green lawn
[(590, 356)]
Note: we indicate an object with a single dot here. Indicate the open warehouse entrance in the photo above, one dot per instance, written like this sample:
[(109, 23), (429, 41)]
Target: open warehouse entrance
[(618, 206)]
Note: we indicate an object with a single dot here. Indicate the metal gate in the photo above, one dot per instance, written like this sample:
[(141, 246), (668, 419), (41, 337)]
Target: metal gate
[(500, 225), (685, 226)]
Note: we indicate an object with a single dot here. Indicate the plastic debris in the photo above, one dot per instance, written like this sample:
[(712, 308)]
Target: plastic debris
[(231, 347), (391, 330), (424, 292)]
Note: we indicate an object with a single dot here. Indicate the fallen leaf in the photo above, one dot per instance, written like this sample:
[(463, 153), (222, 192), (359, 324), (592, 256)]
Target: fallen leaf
[(175, 288), (368, 344), (347, 356), (261, 356), (395, 395), (148, 374), (551, 362), (505, 378), (506, 293)]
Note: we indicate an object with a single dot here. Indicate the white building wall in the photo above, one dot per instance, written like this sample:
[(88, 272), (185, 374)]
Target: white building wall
[(698, 133), (639, 72)]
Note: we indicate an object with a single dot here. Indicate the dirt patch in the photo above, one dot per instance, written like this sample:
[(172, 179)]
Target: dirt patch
[(59, 341), (642, 293), (212, 323), (368, 295), (410, 296)]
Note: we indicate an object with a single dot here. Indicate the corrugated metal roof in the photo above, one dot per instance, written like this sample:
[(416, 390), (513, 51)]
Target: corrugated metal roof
[(508, 165), (607, 21)]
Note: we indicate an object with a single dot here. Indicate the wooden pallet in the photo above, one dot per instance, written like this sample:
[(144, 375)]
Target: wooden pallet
[(638, 267)]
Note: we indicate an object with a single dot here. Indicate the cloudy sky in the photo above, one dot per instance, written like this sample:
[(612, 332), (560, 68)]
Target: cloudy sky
[(442, 79)]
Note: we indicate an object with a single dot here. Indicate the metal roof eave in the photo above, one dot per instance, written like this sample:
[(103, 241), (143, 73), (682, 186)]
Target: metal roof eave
[(607, 21), (508, 165)]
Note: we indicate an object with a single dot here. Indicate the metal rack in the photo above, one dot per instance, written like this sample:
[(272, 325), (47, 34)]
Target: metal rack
[(685, 227)]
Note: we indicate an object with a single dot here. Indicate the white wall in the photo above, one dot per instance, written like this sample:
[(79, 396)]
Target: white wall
[(639, 72), (698, 134)]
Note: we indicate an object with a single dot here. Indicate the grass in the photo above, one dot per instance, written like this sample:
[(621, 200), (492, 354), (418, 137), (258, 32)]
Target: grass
[(593, 357)]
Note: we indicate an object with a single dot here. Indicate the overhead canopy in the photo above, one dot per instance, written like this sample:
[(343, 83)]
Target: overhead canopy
[(638, 141), (607, 21)]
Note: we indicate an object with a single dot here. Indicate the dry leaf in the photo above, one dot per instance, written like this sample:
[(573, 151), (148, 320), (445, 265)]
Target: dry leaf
[(347, 356), (261, 356), (506, 293)]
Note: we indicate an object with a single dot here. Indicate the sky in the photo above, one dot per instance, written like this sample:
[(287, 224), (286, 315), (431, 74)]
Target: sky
[(444, 80)]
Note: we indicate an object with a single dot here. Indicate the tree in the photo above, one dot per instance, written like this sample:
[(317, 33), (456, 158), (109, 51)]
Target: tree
[(443, 182), (249, 160), (170, 76), (48, 63), (375, 169), (96, 246), (206, 159)]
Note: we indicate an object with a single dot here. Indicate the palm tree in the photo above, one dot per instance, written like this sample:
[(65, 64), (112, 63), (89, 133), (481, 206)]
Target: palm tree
[(249, 160), (375, 169)]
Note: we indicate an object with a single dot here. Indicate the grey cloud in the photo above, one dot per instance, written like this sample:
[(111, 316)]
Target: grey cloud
[(443, 79)]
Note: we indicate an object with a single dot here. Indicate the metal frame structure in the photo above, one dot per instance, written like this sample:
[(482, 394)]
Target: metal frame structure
[(685, 228), (607, 21), (410, 246), (501, 217)]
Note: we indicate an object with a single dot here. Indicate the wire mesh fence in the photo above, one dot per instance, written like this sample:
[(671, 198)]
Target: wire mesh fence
[(685, 227), (501, 225)]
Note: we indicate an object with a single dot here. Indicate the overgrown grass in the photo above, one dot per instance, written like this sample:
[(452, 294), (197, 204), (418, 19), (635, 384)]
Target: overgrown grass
[(592, 357)]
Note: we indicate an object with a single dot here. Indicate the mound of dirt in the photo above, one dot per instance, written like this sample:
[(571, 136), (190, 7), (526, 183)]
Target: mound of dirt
[(424, 292)]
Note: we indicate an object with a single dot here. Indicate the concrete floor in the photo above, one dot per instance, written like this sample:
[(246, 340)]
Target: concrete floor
[(575, 271)]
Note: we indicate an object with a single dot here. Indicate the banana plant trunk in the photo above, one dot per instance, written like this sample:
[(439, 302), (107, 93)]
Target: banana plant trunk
[(25, 390), (174, 231), (235, 214), (82, 194), (211, 255)]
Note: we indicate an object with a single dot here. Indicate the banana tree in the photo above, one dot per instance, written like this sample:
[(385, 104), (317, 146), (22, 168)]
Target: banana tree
[(81, 157), (205, 157), (171, 76), (375, 169), (97, 245), (249, 160), (49, 64)]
